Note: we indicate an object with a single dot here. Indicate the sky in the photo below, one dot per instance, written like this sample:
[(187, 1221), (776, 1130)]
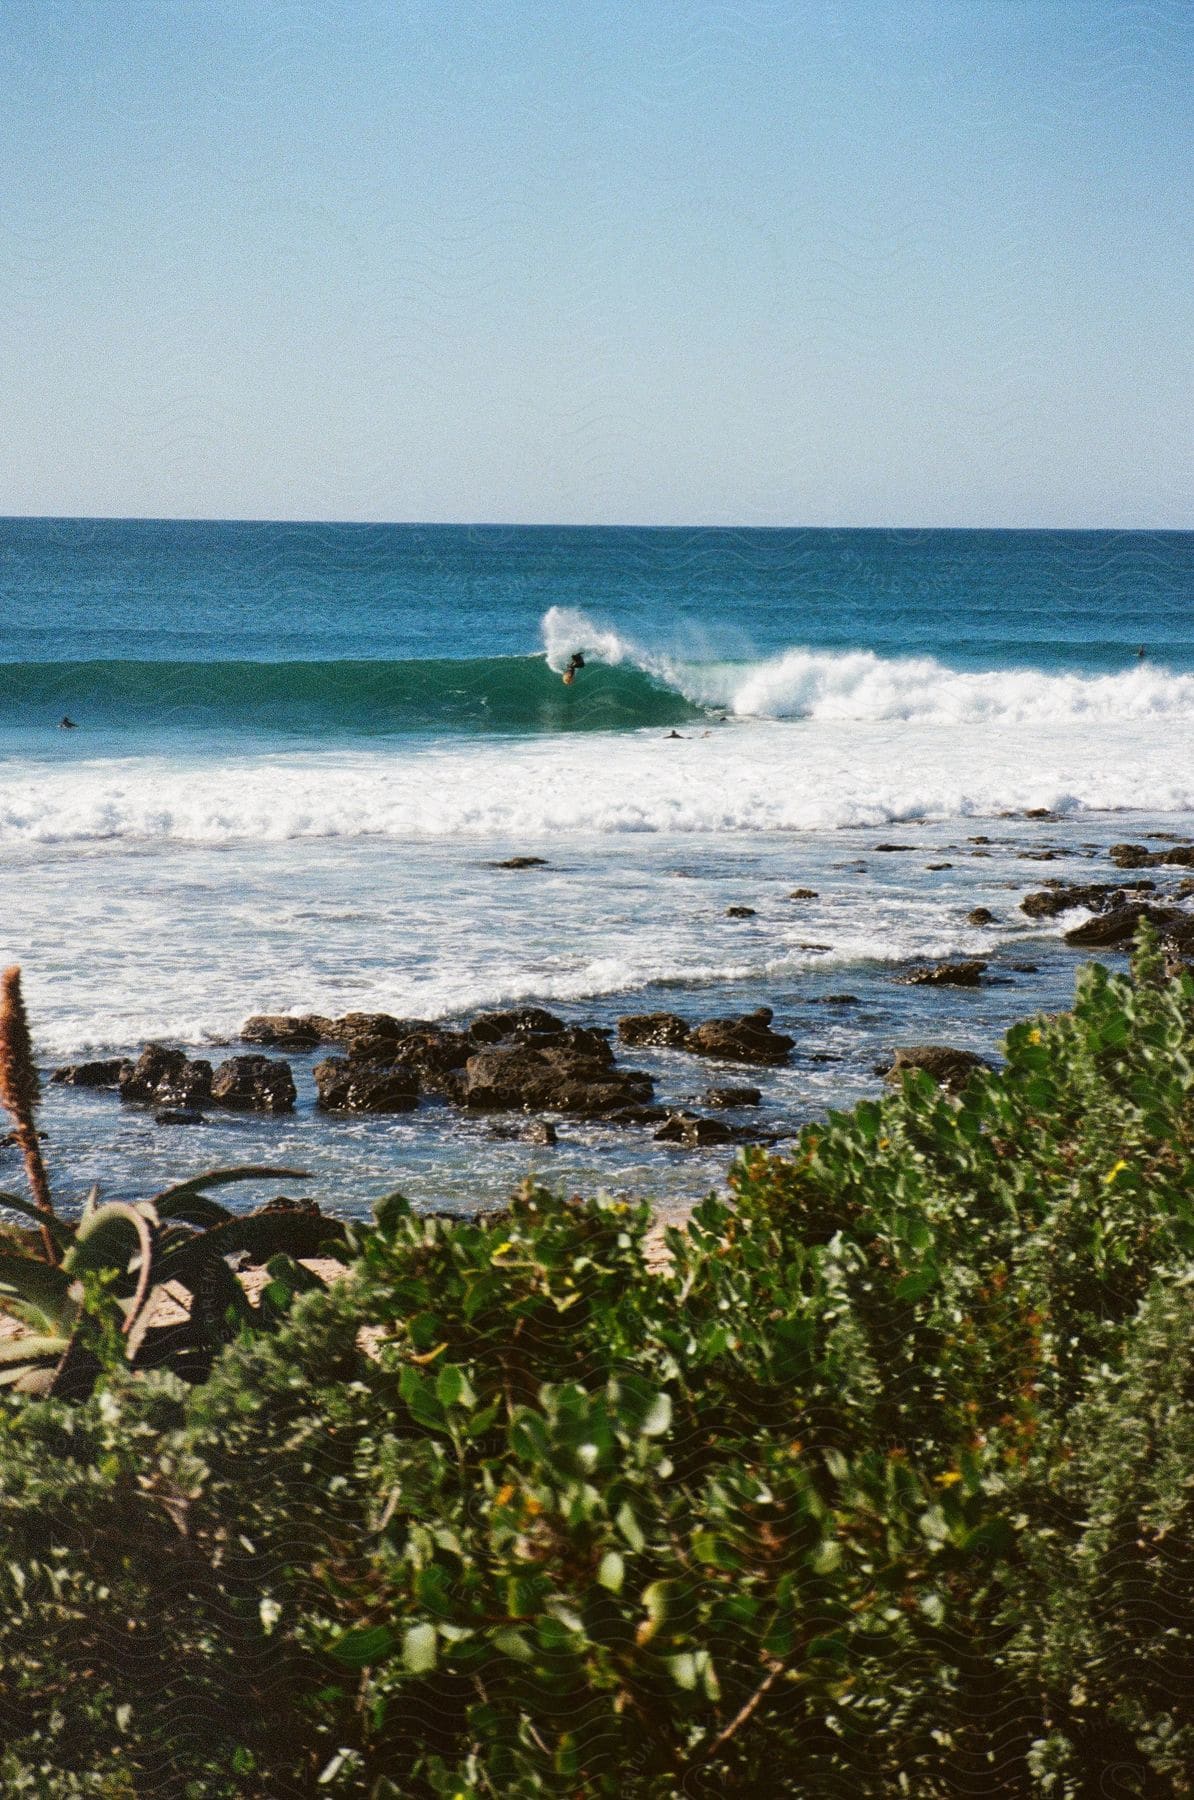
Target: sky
[(852, 262)]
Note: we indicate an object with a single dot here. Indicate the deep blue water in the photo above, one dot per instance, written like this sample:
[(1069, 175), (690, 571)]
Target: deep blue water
[(193, 591)]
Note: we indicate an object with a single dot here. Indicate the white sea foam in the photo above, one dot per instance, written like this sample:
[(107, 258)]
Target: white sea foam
[(858, 685), (741, 777), (804, 684)]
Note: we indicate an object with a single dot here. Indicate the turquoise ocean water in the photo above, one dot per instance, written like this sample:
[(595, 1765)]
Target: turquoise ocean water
[(301, 748)]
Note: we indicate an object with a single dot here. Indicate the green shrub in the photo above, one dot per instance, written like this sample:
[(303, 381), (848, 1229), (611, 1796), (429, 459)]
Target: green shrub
[(881, 1486)]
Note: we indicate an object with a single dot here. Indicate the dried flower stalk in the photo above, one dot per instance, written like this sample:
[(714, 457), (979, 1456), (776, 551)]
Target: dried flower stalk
[(20, 1092)]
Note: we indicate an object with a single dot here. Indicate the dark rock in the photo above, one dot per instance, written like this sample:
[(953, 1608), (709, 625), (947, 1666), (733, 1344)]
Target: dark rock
[(636, 1115), (1039, 812), (693, 1130), (585, 1040), (835, 1000), (253, 1084), (1119, 927), (541, 1131), (288, 1227), (748, 1038), (965, 973), (344, 1086), (666, 1029), (371, 1047), (740, 912), (1039, 855), (521, 862), (814, 947), (284, 1031), (891, 847), (437, 1056), (933, 867), (1130, 856), (434, 1051), (804, 894), (167, 1077), (184, 1115), (1024, 968), (106, 1074), (1135, 856), (368, 1024), (492, 1027), (951, 1068), (1060, 897), (724, 1098), (980, 839), (503, 1077), (982, 915)]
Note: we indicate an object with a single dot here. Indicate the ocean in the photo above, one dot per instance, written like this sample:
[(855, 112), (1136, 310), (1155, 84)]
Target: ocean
[(302, 750)]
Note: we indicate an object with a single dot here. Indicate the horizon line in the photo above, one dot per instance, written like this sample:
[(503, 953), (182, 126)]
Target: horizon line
[(555, 524)]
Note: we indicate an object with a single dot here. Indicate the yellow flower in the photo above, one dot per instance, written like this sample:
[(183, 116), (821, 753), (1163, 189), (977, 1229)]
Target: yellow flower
[(949, 1478), (1115, 1170), (1034, 1036)]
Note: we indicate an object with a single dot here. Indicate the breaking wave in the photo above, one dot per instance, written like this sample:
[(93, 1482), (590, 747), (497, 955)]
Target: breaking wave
[(624, 686)]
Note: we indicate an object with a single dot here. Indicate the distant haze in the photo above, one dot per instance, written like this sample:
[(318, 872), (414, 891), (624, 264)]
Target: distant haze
[(844, 262)]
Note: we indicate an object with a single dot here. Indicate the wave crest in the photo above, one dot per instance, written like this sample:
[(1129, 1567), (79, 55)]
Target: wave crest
[(802, 683)]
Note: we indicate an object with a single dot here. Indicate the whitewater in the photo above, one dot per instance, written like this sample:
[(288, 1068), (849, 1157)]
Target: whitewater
[(800, 741), (738, 779)]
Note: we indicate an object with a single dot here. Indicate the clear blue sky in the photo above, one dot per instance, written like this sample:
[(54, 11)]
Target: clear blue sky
[(850, 261)]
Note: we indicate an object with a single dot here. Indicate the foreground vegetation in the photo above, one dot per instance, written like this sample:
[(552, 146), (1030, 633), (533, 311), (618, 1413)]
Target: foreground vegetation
[(884, 1485)]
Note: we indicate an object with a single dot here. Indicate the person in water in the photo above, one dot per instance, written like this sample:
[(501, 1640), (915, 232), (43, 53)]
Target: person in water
[(67, 724), (577, 662)]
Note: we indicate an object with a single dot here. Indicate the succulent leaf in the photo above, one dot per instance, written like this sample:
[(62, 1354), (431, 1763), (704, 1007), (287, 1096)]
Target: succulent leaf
[(220, 1178), (36, 1292)]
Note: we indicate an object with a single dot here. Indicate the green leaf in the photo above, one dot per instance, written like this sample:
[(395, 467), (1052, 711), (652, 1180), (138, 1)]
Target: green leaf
[(655, 1599), (826, 1557), (420, 1649), (658, 1417), (419, 1396), (452, 1387), (60, 1230), (193, 1209), (629, 1526), (19, 1355), (110, 1238), (389, 1212), (363, 1645), (611, 1571), (917, 1284), (36, 1290), (221, 1178), (920, 1234), (686, 1670)]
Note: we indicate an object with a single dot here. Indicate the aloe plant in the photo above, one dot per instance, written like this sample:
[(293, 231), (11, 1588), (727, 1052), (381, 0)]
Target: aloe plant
[(131, 1251), (98, 1277)]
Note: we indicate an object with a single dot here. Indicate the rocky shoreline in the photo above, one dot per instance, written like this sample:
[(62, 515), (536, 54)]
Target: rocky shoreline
[(528, 1061)]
